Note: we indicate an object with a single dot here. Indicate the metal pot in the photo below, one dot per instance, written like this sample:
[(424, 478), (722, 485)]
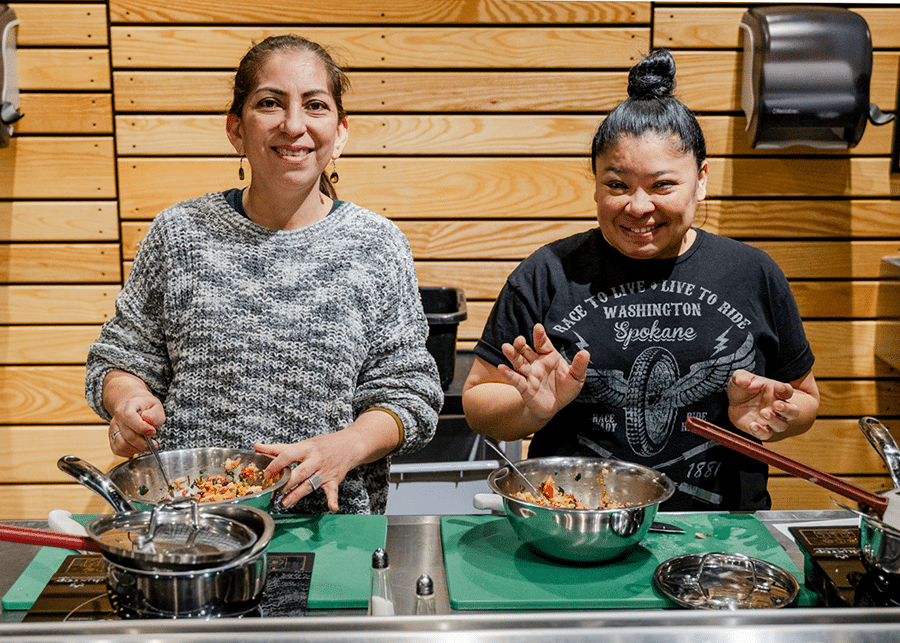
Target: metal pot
[(231, 588), (583, 535), (144, 582), (138, 484), (879, 543)]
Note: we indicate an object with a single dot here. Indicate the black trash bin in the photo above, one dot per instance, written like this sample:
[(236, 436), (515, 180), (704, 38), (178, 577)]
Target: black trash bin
[(444, 309)]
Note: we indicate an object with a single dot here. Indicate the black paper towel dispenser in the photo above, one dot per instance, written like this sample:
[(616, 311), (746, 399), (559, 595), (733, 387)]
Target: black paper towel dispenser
[(806, 76)]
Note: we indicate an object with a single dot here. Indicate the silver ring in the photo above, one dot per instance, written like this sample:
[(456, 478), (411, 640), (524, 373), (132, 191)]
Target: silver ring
[(114, 435), (315, 481)]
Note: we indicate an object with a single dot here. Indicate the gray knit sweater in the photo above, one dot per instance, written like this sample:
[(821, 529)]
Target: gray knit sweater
[(248, 334)]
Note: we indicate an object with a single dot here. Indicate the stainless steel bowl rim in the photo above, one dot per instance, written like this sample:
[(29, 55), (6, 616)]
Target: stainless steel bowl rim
[(569, 462), (146, 460)]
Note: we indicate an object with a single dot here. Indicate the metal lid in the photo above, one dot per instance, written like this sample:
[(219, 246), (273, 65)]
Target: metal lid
[(424, 585), (725, 581), (379, 559), (172, 533)]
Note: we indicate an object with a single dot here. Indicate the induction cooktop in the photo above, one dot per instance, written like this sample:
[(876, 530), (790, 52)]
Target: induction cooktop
[(77, 591)]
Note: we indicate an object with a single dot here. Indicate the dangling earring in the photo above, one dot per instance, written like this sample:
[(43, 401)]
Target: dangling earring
[(333, 177), (241, 169)]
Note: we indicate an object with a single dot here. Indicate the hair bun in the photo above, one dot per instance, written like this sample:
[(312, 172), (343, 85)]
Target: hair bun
[(652, 77)]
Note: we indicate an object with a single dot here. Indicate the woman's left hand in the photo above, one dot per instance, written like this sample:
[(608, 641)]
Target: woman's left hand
[(759, 405), (322, 455)]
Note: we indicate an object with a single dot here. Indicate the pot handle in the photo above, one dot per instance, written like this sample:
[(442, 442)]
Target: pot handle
[(490, 501), (91, 477), (880, 438)]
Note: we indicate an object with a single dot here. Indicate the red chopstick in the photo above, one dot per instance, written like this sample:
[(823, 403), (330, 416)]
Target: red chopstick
[(29, 536), (758, 452)]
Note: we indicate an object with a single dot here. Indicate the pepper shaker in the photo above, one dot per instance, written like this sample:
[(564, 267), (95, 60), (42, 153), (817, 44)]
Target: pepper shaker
[(381, 592), (424, 602)]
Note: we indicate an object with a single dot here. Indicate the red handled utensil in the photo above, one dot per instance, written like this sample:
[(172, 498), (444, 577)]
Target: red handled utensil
[(887, 506), (29, 536)]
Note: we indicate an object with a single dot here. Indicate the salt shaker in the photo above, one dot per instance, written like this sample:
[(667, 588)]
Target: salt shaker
[(424, 603), (381, 592)]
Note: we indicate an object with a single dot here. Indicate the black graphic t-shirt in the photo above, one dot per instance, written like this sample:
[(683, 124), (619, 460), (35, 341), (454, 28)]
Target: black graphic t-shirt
[(664, 337)]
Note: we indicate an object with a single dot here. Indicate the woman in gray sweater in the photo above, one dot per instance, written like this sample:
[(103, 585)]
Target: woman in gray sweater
[(276, 315)]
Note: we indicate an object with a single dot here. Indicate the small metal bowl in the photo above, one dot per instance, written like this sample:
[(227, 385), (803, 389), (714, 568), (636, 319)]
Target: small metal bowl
[(725, 582)]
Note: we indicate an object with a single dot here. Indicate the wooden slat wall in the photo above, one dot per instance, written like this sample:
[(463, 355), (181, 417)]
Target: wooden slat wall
[(470, 124), (60, 255)]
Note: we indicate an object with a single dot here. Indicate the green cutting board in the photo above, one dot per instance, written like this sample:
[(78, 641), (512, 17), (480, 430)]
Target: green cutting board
[(342, 546), (488, 567)]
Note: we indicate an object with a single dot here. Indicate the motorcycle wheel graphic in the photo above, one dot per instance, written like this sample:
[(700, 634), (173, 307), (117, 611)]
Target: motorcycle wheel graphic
[(649, 415)]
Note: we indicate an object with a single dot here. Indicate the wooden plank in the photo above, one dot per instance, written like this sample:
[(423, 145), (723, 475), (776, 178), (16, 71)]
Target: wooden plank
[(446, 134), (800, 177), (829, 259), (43, 394), (136, 47), (35, 501), (34, 464), (63, 69), (47, 113), (58, 167), (78, 304), (486, 186), (846, 349), (59, 221), (836, 446), (390, 135), (367, 12), (717, 27), (391, 92), (60, 263), (789, 493), (46, 344), (856, 398), (61, 25), (788, 218), (711, 80), (522, 188), (147, 186), (836, 299)]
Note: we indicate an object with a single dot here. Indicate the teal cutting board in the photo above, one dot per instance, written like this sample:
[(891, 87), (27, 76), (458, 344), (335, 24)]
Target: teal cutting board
[(488, 567), (342, 546)]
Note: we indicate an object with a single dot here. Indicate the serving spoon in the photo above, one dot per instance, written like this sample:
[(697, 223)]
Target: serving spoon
[(513, 467), (170, 488)]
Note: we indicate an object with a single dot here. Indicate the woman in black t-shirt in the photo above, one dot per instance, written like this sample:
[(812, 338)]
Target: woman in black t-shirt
[(646, 320)]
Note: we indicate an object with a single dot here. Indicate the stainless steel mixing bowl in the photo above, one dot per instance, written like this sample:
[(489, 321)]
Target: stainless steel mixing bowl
[(583, 535)]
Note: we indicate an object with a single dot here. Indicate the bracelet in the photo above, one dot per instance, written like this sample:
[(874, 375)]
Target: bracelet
[(401, 430)]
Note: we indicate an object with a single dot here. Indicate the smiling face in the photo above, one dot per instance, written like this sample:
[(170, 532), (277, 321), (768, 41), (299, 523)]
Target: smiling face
[(647, 191), (289, 128)]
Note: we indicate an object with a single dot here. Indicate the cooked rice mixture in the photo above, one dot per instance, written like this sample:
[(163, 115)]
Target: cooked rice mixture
[(554, 496)]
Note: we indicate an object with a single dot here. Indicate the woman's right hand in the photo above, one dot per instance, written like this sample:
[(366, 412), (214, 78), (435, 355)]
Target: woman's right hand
[(544, 379), (136, 413)]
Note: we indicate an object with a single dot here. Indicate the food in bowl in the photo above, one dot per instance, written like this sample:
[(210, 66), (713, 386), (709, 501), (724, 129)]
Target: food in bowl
[(236, 481), (555, 496)]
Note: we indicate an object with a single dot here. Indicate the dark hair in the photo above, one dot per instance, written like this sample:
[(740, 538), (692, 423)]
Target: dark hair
[(246, 79), (651, 107)]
